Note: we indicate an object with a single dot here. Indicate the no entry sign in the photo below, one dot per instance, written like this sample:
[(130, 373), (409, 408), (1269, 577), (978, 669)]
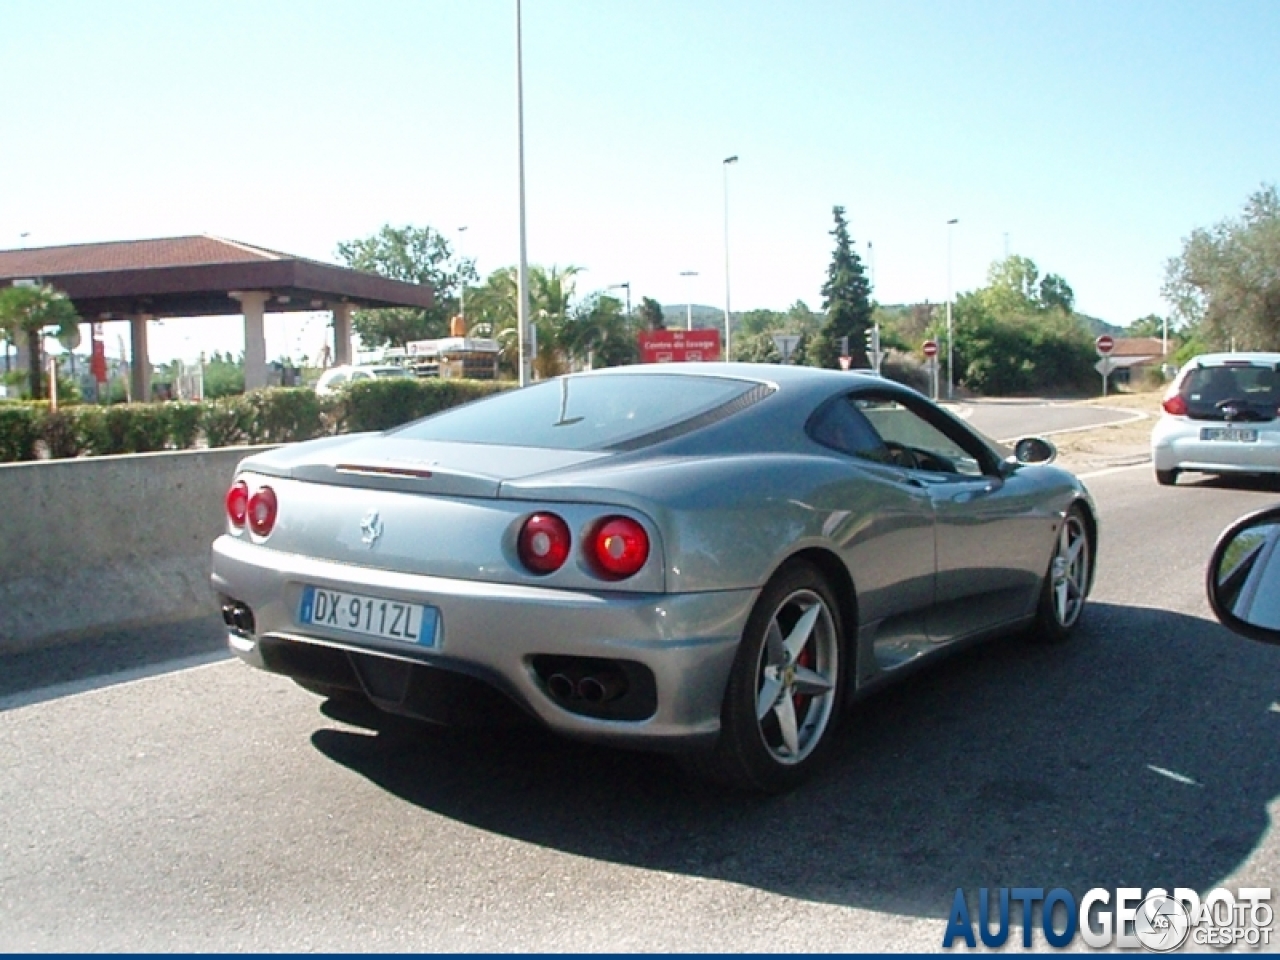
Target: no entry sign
[(931, 348), (1104, 345)]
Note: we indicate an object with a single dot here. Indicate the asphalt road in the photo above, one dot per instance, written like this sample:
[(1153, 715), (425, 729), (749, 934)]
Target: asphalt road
[(213, 807), (1010, 419)]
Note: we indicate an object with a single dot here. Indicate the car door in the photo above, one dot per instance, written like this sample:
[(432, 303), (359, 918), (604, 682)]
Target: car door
[(989, 524), (886, 536)]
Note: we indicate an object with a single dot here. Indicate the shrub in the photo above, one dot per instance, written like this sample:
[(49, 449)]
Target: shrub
[(182, 423), (284, 415), (124, 428), (227, 422), (383, 404), (63, 433), (19, 432)]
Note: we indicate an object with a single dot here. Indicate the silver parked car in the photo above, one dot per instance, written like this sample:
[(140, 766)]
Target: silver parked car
[(1220, 416), (711, 559)]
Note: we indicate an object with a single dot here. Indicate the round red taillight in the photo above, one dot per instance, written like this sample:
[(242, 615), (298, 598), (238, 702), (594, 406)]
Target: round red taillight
[(619, 547), (262, 511), (237, 503), (544, 543), (1175, 405)]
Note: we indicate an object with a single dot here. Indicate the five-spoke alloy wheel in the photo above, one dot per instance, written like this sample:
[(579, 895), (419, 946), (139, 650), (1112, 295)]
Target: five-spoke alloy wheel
[(783, 701), (1067, 582)]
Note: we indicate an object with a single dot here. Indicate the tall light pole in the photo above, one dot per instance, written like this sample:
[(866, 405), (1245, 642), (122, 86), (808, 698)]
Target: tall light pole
[(950, 332), (462, 283), (727, 312), (619, 286), (688, 303), (523, 275)]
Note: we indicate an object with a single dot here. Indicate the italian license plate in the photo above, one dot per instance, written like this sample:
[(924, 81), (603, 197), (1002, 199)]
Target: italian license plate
[(369, 616), (1229, 434)]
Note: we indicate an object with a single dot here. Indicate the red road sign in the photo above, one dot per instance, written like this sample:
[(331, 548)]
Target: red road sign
[(673, 346), (931, 348), (1104, 345)]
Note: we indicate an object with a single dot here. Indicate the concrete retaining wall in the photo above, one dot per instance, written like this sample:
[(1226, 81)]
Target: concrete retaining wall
[(108, 542)]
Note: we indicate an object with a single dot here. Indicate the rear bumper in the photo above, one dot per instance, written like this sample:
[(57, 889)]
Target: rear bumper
[(498, 634), (1176, 445)]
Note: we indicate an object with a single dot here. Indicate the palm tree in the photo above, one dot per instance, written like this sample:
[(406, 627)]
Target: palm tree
[(32, 311)]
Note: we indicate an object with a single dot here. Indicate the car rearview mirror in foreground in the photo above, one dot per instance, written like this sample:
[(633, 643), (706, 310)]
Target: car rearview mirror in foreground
[(1034, 450), (1243, 579)]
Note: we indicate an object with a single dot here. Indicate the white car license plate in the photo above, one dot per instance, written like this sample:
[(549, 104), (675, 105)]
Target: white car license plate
[(1229, 434), (369, 616)]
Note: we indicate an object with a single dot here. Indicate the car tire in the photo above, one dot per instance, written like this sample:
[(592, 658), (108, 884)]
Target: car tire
[(1166, 478), (1066, 582), (783, 702)]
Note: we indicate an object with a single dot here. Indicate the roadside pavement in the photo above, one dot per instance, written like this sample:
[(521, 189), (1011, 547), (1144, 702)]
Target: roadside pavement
[(1117, 445)]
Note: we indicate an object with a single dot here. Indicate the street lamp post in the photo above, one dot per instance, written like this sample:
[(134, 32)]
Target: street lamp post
[(727, 311), (688, 303), (462, 283), (619, 286), (950, 332), (523, 274)]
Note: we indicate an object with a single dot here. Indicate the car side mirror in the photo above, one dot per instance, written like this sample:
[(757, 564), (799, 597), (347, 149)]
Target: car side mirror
[(1034, 450), (1243, 578)]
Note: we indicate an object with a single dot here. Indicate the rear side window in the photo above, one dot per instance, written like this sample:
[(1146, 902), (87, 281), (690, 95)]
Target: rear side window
[(613, 412), (1246, 387)]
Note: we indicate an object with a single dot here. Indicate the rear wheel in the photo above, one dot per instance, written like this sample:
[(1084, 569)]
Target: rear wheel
[(1166, 478), (1066, 584), (781, 708)]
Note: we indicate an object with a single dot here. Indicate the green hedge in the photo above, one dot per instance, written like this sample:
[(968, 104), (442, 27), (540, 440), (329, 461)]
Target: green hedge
[(277, 415), (383, 404)]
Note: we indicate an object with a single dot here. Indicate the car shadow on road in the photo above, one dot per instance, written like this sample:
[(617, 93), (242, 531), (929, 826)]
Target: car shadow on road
[(1142, 753)]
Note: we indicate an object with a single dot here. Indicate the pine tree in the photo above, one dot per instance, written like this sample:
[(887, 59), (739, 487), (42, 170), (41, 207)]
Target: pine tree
[(846, 297)]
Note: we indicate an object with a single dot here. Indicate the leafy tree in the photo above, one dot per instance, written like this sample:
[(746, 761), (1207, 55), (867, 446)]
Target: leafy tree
[(600, 334), (1225, 285), (1019, 352), (414, 255), (650, 315), (755, 322), (1015, 288), (1151, 325), (223, 376), (756, 348), (846, 298), (30, 312)]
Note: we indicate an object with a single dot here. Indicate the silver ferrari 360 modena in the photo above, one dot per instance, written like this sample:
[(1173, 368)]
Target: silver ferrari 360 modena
[(710, 559)]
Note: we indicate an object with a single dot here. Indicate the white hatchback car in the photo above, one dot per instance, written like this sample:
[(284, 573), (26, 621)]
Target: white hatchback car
[(1221, 415), (335, 377)]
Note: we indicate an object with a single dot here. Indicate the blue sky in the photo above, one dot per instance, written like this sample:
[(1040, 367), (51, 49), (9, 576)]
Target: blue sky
[(1089, 136)]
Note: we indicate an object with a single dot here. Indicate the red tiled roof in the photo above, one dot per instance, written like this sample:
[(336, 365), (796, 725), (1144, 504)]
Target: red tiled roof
[(1137, 347), (130, 255)]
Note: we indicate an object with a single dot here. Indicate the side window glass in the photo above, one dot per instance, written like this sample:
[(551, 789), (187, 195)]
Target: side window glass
[(913, 441), (841, 426)]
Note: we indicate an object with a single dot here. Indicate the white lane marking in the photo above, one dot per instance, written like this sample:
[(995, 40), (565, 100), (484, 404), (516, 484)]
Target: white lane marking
[(1133, 418), (70, 688), (1172, 776)]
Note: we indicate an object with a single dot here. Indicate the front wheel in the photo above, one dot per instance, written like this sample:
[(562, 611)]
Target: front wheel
[(1166, 478), (782, 705), (1066, 584)]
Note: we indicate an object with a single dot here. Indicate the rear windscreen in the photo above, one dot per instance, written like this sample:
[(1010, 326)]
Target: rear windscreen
[(1245, 388), (590, 412)]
